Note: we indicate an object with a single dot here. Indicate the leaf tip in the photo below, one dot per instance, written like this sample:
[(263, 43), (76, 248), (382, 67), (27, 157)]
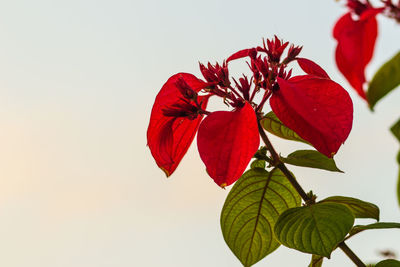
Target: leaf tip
[(167, 173), (371, 106)]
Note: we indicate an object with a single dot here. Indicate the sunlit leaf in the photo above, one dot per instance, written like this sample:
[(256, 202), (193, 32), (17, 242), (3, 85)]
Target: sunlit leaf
[(272, 124), (360, 209), (312, 159), (251, 210), (380, 225), (315, 229), (388, 263), (385, 80), (258, 163)]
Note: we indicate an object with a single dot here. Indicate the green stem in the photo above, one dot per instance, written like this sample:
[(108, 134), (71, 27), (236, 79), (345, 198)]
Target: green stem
[(342, 245), (307, 198), (276, 161)]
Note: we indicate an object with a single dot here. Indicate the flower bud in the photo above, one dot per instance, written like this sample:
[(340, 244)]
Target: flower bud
[(185, 89)]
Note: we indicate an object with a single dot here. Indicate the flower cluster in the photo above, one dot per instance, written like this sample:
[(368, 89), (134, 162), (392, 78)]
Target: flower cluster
[(318, 109), (392, 10), (356, 33)]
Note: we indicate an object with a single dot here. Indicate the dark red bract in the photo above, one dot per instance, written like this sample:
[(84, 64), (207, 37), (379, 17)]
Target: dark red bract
[(356, 34)]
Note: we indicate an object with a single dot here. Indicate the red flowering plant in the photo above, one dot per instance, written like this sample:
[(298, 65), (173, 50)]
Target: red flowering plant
[(263, 209)]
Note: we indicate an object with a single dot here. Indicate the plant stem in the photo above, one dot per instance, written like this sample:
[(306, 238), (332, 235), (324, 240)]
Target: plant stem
[(307, 198), (294, 182), (235, 92), (267, 94), (342, 245), (280, 165), (268, 144)]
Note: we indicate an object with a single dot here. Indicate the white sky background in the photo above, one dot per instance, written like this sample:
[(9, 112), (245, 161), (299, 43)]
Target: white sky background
[(78, 186)]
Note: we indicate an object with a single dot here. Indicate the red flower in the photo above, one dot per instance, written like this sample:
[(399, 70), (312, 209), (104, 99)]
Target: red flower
[(356, 40), (314, 106)]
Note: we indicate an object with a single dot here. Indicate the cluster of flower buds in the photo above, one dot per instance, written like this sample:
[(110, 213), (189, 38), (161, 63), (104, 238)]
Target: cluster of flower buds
[(216, 75), (358, 7), (266, 69), (315, 107), (392, 10), (187, 106)]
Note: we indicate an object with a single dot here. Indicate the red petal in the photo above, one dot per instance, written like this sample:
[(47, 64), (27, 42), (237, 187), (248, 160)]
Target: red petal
[(317, 109), (310, 67), (227, 140), (356, 42), (169, 138), (372, 12), (241, 54)]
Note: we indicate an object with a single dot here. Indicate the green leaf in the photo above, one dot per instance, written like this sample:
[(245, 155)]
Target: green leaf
[(258, 163), (360, 209), (398, 187), (385, 80), (395, 129), (316, 261), (398, 158), (398, 179), (315, 229), (388, 263), (272, 124), (312, 159), (250, 211), (381, 225)]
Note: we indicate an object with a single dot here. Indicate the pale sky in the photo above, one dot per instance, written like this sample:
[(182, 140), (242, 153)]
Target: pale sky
[(78, 186)]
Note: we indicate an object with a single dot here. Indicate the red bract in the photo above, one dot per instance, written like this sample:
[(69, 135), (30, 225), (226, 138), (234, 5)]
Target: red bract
[(251, 52), (310, 67), (316, 108), (169, 137), (227, 140), (356, 40)]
